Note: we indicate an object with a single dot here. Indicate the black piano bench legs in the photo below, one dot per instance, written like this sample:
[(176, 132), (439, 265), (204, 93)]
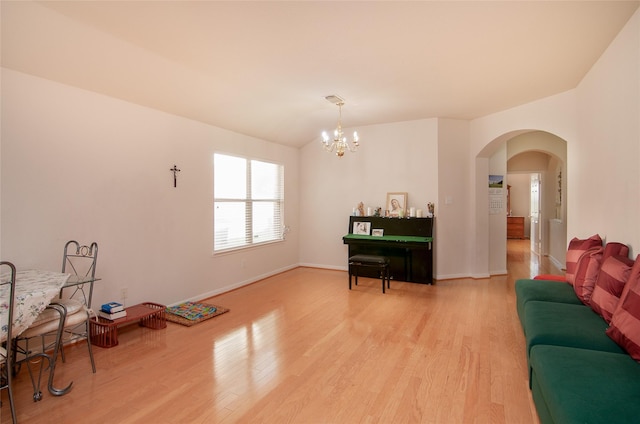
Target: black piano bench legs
[(370, 261)]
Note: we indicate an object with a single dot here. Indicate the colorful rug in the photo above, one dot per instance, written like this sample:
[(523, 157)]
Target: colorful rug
[(191, 313)]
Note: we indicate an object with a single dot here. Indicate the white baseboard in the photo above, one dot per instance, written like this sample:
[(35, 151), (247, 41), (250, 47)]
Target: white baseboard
[(556, 262), (234, 286), (439, 277), (322, 266)]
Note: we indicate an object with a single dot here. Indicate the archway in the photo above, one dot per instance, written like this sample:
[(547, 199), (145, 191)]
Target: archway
[(532, 151)]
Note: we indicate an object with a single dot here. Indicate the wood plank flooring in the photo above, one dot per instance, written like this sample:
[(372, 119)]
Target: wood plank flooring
[(300, 347)]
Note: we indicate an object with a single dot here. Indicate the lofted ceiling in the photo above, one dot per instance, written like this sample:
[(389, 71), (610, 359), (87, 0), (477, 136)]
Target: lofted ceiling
[(263, 68)]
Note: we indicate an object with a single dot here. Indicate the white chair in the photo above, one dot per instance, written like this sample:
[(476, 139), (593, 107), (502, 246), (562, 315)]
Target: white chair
[(7, 288)]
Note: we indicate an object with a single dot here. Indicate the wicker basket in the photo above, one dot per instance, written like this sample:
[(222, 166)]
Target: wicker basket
[(157, 318), (104, 333)]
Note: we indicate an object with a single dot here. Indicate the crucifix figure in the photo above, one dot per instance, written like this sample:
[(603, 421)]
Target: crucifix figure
[(175, 175)]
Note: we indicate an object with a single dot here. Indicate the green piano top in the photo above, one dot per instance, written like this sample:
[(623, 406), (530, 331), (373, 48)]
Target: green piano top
[(402, 239)]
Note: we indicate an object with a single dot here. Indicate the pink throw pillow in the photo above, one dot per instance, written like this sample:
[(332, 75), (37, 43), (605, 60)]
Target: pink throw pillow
[(587, 272), (614, 274), (576, 248), (625, 323)]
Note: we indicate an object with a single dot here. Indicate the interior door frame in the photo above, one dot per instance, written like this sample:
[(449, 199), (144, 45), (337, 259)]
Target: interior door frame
[(535, 217)]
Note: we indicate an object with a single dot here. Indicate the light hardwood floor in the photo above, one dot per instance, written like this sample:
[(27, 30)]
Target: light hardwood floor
[(300, 347)]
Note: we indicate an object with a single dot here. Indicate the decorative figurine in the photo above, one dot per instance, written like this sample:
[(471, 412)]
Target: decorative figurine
[(431, 208), (361, 209), (378, 212)]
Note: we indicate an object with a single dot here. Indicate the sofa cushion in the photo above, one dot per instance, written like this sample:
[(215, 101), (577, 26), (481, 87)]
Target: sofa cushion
[(625, 323), (613, 275), (563, 324), (586, 275), (576, 248), (550, 291), (572, 385)]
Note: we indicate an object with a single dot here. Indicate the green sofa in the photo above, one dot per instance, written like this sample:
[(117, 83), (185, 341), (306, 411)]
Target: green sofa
[(542, 290), (577, 373), (572, 385)]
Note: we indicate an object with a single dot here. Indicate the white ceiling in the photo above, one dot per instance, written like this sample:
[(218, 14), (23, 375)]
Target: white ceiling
[(263, 68)]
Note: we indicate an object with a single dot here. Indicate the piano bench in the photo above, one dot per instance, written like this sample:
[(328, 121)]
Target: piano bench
[(370, 261)]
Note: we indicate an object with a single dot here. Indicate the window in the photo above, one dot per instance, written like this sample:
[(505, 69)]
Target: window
[(248, 204)]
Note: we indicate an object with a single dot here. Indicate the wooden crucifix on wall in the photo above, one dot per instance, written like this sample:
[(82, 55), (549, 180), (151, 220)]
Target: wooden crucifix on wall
[(175, 175)]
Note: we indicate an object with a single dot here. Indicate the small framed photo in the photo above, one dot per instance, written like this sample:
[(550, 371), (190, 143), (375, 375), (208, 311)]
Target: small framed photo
[(361, 227), (397, 204), (377, 232)]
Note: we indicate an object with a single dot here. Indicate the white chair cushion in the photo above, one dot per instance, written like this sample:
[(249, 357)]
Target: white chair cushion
[(48, 315), (41, 329), (72, 306), (48, 320)]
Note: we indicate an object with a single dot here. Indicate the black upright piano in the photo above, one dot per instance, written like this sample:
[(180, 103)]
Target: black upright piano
[(407, 242)]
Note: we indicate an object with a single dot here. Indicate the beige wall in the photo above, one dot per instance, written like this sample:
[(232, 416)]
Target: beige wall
[(397, 157), (79, 165), (156, 240), (604, 176), (599, 121)]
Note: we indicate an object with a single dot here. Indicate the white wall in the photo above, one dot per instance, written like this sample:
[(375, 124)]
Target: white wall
[(79, 165), (157, 240), (396, 157), (520, 195), (498, 221), (604, 176), (452, 251)]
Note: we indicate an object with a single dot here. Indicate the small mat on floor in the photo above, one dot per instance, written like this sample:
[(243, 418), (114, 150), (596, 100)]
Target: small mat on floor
[(191, 313)]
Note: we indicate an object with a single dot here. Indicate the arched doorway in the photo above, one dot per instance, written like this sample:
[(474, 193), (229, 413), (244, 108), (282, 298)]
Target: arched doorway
[(527, 151)]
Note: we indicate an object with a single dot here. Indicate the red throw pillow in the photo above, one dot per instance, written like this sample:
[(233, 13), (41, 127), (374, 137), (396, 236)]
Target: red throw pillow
[(576, 248), (613, 275), (615, 248), (587, 273), (625, 323)]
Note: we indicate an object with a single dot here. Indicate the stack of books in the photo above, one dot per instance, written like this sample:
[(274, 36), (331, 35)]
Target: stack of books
[(112, 310)]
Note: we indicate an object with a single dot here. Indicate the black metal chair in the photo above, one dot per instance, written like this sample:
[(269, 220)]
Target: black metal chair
[(7, 288)]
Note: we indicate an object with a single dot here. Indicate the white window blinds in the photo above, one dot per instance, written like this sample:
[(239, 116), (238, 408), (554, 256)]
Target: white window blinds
[(248, 204)]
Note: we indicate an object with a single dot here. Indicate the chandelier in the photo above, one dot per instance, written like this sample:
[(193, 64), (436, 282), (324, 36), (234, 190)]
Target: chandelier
[(339, 144)]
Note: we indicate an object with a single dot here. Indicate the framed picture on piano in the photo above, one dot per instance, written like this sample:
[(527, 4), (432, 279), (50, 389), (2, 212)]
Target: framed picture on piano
[(377, 232), (362, 227), (397, 204)]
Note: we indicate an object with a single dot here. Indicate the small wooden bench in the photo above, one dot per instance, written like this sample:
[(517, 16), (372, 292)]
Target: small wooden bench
[(370, 261), (104, 332)]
